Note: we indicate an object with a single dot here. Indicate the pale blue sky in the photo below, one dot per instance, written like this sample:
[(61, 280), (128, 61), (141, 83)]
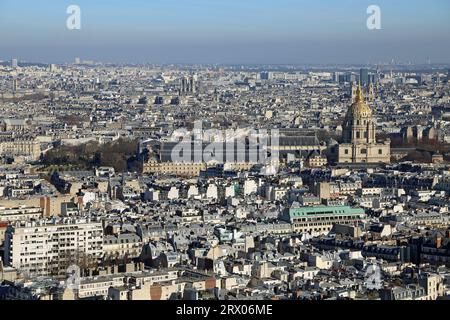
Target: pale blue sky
[(226, 31)]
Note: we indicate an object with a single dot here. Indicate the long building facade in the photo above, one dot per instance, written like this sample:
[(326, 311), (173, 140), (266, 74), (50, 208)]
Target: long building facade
[(25, 147), (320, 219)]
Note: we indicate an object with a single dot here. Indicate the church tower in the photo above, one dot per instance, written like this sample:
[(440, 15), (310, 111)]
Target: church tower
[(359, 143)]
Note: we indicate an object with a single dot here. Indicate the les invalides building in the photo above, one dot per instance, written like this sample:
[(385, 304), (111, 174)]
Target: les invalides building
[(359, 144)]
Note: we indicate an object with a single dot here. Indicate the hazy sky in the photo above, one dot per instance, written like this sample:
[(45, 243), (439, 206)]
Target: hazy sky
[(226, 31)]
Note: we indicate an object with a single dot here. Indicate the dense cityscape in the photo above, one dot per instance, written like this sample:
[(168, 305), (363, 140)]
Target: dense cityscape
[(224, 182)]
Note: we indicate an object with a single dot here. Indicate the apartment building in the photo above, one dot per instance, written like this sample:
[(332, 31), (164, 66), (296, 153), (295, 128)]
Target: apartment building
[(320, 219), (98, 286), (22, 213), (189, 169), (27, 147), (51, 246)]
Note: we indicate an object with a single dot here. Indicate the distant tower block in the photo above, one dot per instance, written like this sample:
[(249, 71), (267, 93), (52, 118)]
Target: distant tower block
[(15, 84), (192, 84), (14, 63), (354, 90), (438, 79), (183, 85), (371, 92), (188, 85)]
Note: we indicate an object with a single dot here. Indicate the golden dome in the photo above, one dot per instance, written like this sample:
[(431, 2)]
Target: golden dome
[(359, 108)]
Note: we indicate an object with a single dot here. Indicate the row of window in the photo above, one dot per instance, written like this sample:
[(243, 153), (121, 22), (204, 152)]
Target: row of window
[(312, 219), (363, 151), (358, 135), (359, 122)]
